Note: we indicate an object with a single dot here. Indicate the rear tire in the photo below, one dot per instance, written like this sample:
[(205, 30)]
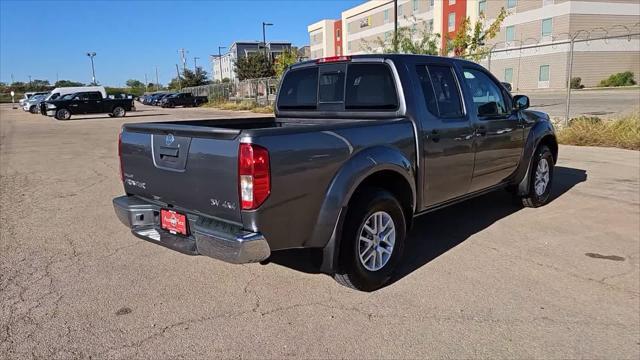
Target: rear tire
[(32, 109), (119, 111), (63, 114), (372, 240), (540, 178)]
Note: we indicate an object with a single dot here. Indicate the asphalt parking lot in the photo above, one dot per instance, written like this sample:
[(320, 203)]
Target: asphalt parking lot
[(603, 103), (482, 279)]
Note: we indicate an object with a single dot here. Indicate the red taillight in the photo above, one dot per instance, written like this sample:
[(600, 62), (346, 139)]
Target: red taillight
[(120, 155), (253, 175), (333, 59)]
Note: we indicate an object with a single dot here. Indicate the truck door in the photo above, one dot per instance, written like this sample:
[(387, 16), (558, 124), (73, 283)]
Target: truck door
[(499, 131), (93, 103), (447, 135)]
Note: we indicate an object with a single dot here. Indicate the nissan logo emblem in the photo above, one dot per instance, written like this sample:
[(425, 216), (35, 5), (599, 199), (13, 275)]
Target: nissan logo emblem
[(169, 139)]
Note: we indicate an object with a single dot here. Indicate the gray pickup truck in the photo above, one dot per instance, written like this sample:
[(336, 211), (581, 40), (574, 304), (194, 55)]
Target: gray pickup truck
[(357, 148)]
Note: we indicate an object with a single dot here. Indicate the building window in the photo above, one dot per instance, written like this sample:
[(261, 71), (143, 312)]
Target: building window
[(547, 27), (431, 3), (482, 6), (543, 76), (415, 5), (399, 10), (386, 16), (430, 26), (338, 32), (511, 4), (510, 33), (508, 75), (452, 21), (452, 2), (547, 2)]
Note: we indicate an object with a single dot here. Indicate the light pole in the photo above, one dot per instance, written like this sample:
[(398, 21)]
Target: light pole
[(157, 80), (264, 36), (195, 63), (220, 60), (91, 55), (395, 26)]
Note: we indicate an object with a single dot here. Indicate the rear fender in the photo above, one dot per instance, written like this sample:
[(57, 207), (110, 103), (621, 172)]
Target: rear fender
[(327, 230)]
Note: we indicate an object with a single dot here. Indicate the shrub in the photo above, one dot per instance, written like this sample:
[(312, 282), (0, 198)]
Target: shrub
[(576, 83), (619, 79), (622, 132)]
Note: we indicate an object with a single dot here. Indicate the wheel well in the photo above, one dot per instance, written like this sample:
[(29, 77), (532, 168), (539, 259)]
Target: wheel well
[(396, 184), (552, 144)]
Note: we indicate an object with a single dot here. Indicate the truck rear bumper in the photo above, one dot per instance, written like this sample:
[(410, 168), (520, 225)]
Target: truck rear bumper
[(208, 237)]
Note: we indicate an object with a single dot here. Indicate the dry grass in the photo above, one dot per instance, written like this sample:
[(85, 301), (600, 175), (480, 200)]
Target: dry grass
[(622, 132), (244, 105)]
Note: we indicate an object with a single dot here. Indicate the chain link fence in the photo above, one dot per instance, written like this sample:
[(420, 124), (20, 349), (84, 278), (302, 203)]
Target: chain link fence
[(566, 61), (261, 91), (557, 63)]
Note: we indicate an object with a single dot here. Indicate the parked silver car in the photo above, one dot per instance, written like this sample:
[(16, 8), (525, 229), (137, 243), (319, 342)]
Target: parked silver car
[(33, 103)]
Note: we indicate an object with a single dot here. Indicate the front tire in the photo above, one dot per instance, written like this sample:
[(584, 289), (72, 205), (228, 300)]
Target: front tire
[(118, 111), (540, 179), (63, 114), (372, 240)]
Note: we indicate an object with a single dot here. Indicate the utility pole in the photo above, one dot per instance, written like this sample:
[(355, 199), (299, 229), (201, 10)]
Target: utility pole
[(264, 37), (179, 79), (29, 82), (57, 79), (91, 55), (195, 63), (395, 26), (12, 80), (145, 82), (157, 80), (183, 58)]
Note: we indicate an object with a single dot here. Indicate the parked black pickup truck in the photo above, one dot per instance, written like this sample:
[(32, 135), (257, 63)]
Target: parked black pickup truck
[(358, 147), (90, 102), (182, 99)]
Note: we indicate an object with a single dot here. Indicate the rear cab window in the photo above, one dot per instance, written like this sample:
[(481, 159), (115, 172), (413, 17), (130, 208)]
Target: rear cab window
[(341, 86)]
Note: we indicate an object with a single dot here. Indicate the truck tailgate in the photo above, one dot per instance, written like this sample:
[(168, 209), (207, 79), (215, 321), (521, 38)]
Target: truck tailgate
[(183, 166)]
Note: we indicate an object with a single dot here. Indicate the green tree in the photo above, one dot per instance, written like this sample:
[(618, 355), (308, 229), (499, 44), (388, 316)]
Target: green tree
[(409, 40), (133, 83), (189, 78), (470, 39), (284, 60), (253, 66), (67, 83)]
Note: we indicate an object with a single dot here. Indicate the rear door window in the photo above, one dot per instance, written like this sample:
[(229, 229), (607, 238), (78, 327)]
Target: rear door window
[(440, 90), (94, 96), (299, 89), (370, 87)]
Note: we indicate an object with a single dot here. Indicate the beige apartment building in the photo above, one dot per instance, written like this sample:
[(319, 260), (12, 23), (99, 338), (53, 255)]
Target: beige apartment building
[(532, 49)]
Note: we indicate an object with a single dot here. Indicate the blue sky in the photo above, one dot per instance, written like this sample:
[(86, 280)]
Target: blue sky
[(42, 38)]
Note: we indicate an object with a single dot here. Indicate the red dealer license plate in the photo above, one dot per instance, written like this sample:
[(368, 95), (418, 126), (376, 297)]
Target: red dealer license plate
[(173, 222)]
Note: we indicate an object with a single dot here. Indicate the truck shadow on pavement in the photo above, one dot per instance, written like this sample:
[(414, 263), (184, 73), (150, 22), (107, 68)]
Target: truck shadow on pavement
[(435, 233)]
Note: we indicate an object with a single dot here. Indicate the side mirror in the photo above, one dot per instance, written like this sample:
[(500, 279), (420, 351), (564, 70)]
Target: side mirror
[(507, 86), (521, 102)]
